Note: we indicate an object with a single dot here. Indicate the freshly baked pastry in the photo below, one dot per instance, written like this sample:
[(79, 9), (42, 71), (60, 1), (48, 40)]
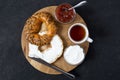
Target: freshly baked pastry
[(33, 27)]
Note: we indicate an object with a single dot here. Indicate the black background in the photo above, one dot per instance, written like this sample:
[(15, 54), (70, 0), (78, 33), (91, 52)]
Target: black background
[(102, 61)]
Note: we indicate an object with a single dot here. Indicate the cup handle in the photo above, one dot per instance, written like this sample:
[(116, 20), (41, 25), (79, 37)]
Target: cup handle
[(89, 40)]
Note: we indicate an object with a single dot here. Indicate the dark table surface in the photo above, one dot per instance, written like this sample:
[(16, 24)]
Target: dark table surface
[(102, 61)]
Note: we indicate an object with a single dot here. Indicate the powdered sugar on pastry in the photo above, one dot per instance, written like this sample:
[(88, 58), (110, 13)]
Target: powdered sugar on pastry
[(50, 54), (74, 55)]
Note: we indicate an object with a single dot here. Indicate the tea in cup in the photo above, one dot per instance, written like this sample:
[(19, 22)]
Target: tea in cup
[(78, 33)]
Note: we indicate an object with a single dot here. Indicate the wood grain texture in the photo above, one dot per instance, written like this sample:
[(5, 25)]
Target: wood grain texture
[(62, 31)]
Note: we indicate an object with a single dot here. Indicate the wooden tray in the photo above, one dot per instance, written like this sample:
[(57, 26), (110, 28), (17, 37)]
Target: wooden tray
[(62, 31)]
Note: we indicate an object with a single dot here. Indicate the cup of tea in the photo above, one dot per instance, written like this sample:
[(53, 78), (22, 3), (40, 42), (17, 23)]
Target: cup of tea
[(78, 33)]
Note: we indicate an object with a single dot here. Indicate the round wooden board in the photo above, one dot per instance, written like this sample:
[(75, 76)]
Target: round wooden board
[(62, 31)]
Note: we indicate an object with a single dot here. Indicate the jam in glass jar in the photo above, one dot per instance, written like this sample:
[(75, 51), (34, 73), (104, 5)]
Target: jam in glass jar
[(63, 14)]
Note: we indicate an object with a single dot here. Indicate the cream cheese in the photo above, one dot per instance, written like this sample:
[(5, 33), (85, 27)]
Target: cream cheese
[(51, 54), (74, 55)]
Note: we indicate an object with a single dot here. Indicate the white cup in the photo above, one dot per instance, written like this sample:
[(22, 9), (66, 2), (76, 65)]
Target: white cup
[(86, 36)]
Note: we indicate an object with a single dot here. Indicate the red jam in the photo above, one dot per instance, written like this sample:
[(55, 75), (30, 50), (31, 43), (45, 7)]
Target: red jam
[(63, 14), (77, 33)]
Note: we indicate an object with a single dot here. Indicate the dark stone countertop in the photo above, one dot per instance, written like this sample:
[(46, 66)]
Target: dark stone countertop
[(102, 61)]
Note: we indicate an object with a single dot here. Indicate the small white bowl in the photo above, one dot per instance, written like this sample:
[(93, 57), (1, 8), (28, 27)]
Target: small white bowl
[(74, 55)]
